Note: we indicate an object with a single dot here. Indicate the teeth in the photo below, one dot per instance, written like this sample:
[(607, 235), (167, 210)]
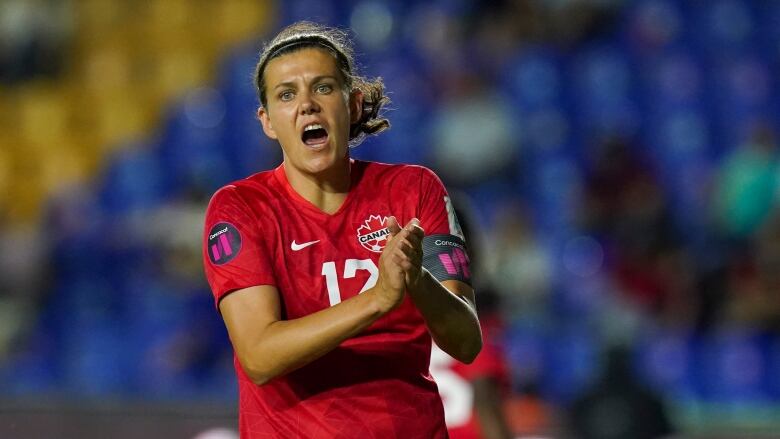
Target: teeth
[(312, 126)]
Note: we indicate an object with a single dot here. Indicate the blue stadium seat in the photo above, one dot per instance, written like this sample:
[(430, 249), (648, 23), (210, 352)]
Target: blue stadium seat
[(35, 370), (534, 79), (674, 81), (325, 11), (652, 26), (731, 367), (191, 148), (525, 352), (604, 90), (722, 27), (133, 180), (768, 32), (664, 361), (773, 367), (556, 183), (571, 363), (96, 362)]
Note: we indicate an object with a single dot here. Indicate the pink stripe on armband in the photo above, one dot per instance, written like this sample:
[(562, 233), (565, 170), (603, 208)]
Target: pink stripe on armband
[(446, 261)]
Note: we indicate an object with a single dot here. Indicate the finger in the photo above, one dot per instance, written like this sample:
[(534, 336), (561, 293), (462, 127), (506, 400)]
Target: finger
[(416, 260), (415, 228), (401, 235), (407, 246), (407, 251), (393, 226), (412, 247), (408, 264), (415, 238)]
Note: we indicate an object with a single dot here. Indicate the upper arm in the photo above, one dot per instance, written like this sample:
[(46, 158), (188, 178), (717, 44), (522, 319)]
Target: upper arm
[(247, 313), (238, 246), (436, 213)]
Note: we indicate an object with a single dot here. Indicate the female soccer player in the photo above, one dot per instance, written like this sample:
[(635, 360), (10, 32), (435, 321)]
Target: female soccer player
[(329, 303)]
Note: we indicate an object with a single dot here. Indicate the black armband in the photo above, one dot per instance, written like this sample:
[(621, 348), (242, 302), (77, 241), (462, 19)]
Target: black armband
[(445, 257)]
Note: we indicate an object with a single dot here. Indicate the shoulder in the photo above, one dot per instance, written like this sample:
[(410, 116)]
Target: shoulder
[(403, 172), (253, 189)]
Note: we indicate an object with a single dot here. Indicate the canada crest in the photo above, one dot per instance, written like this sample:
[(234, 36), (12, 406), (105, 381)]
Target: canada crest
[(372, 235)]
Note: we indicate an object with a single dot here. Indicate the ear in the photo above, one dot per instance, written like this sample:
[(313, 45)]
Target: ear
[(265, 120), (355, 106)]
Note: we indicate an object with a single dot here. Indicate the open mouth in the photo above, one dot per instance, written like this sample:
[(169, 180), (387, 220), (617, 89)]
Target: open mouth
[(314, 134)]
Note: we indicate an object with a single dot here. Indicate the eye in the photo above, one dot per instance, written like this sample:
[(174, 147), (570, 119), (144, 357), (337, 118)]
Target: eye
[(324, 88), (286, 95)]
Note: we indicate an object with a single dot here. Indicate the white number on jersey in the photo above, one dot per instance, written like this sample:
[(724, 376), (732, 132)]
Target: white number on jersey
[(456, 393), (351, 266)]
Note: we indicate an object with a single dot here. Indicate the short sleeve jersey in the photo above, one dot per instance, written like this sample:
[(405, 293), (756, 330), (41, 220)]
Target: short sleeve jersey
[(259, 231)]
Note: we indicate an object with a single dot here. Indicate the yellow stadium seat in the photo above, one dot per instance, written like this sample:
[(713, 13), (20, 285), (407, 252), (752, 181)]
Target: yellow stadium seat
[(5, 174), (237, 20), (120, 116), (107, 68), (25, 185), (129, 59), (180, 71), (43, 115)]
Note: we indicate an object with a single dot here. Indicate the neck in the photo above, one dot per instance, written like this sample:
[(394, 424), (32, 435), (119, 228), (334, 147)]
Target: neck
[(326, 190)]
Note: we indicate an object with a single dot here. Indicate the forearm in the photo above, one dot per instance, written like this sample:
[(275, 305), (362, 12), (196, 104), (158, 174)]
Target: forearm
[(286, 345), (451, 318)]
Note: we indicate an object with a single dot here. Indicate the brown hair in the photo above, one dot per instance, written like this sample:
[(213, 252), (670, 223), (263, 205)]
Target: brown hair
[(305, 34)]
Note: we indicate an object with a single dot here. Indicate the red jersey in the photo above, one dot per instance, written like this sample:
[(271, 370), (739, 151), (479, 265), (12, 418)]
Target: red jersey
[(375, 385), (454, 379)]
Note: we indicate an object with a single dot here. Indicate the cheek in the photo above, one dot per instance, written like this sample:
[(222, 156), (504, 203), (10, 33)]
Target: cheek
[(282, 121)]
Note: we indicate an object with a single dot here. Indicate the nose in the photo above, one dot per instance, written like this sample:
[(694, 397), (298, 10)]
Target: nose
[(308, 104)]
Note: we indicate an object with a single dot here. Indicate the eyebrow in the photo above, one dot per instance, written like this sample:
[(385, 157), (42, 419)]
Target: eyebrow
[(291, 84)]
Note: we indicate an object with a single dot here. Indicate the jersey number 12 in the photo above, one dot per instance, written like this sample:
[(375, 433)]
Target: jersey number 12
[(351, 266)]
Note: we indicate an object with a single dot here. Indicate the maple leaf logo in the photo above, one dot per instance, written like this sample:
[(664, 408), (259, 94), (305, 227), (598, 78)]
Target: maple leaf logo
[(372, 235)]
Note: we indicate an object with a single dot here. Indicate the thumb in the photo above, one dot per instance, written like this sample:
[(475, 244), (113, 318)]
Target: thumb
[(392, 224)]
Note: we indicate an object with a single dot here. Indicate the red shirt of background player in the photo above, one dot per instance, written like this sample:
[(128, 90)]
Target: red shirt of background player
[(455, 381)]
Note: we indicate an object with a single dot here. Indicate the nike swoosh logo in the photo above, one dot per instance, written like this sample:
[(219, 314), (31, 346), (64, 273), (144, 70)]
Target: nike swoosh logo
[(295, 246)]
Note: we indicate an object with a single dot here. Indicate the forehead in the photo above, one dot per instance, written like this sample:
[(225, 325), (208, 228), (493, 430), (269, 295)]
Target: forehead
[(302, 63)]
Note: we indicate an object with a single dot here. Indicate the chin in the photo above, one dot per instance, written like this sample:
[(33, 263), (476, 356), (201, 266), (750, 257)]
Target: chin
[(320, 165), (328, 157)]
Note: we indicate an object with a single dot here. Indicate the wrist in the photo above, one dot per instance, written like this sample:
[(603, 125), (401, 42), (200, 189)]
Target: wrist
[(417, 283), (382, 303)]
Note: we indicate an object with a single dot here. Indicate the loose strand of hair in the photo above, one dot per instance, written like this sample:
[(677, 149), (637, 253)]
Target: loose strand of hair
[(374, 100)]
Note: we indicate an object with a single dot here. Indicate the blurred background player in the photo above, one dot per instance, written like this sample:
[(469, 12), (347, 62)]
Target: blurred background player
[(474, 395), (618, 406)]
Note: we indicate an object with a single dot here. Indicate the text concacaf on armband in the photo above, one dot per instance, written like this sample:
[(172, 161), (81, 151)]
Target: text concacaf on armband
[(448, 243)]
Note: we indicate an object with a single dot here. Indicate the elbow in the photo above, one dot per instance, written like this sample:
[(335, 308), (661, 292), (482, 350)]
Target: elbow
[(470, 351), (471, 347), (466, 351), (463, 347), (257, 371), (258, 379)]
